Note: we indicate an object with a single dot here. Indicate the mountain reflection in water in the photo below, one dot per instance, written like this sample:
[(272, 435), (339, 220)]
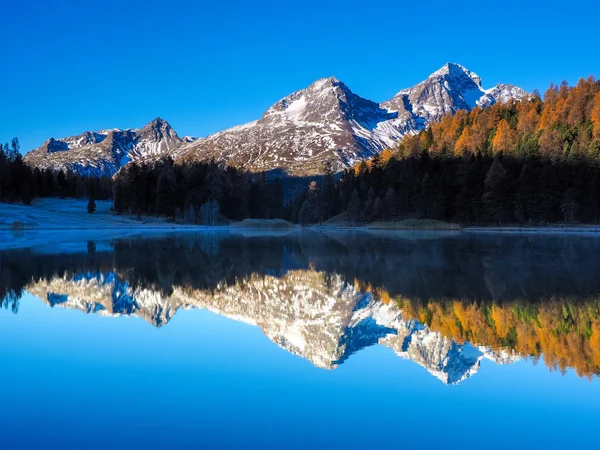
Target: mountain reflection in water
[(442, 301)]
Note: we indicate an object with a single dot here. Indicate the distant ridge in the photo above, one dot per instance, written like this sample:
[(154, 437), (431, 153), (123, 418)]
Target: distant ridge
[(323, 125)]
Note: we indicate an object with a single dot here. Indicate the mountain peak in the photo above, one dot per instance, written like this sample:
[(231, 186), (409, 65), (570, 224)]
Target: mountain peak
[(329, 81), (450, 66), (323, 124), (456, 71), (157, 123), (157, 130), (323, 94)]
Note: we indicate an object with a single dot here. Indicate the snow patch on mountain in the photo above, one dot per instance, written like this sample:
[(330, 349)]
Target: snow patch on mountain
[(104, 152), (323, 319), (327, 125), (324, 126)]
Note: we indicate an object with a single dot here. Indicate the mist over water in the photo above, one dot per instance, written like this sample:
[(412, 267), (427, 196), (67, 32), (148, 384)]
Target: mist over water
[(211, 333)]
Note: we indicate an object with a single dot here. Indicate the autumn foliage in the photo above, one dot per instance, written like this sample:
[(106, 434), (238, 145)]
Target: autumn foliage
[(565, 124), (563, 334), (534, 162)]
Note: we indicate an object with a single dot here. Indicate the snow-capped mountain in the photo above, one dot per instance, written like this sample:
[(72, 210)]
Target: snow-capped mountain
[(104, 152), (327, 124), (300, 133), (447, 90), (324, 125), (317, 316)]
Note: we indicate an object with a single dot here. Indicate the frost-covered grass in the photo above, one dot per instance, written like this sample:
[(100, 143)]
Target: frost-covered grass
[(54, 213), (341, 220), (547, 229), (51, 221), (263, 223)]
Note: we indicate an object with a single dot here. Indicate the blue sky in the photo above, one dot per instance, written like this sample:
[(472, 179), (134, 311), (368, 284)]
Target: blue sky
[(206, 66)]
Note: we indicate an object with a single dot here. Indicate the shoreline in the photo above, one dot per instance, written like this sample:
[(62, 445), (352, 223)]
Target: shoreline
[(66, 223)]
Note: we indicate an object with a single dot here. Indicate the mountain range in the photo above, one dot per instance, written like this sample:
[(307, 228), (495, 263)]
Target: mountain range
[(317, 316), (324, 126)]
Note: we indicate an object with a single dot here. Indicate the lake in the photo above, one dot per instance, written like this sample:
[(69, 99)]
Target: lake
[(301, 339)]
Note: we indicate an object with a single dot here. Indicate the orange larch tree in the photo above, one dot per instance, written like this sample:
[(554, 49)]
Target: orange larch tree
[(504, 139), (595, 116), (464, 144)]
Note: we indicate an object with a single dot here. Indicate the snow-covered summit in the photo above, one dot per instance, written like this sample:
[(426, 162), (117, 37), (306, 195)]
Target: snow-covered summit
[(299, 134), (326, 124), (450, 71), (323, 125), (449, 89)]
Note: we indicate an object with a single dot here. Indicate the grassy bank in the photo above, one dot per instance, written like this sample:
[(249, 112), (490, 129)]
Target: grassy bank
[(263, 223), (414, 224)]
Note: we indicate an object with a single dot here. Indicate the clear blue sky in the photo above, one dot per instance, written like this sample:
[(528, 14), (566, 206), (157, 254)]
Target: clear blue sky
[(205, 66)]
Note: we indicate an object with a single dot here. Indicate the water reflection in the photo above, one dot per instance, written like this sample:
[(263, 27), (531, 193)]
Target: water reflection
[(443, 301)]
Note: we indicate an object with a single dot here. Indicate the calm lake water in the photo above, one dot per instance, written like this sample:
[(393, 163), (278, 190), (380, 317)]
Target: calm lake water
[(302, 340)]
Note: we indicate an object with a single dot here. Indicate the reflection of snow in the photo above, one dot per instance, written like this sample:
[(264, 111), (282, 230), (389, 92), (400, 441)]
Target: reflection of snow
[(323, 321)]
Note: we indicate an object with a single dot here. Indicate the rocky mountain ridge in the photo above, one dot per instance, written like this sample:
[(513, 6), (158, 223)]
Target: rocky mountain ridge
[(104, 152), (324, 126)]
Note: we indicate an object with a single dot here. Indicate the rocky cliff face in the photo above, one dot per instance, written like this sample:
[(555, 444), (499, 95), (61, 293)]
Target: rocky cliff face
[(317, 316), (323, 126)]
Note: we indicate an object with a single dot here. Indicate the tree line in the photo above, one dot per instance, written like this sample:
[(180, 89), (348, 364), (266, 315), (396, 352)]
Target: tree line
[(22, 183), (475, 189), (533, 161), (201, 193)]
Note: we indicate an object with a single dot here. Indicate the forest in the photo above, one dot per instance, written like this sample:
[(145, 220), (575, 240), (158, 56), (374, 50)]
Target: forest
[(202, 193), (22, 183), (536, 161)]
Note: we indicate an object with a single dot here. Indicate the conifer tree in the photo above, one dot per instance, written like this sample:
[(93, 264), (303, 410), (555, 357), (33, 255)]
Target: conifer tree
[(495, 196), (354, 209), (91, 206), (391, 204), (165, 190)]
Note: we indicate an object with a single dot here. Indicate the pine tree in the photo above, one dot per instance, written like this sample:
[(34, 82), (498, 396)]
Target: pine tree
[(165, 190), (120, 198), (391, 204), (328, 194), (255, 201), (91, 206), (306, 214), (496, 192), (527, 202), (378, 208), (354, 209), (426, 197), (367, 214), (569, 206), (594, 196)]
